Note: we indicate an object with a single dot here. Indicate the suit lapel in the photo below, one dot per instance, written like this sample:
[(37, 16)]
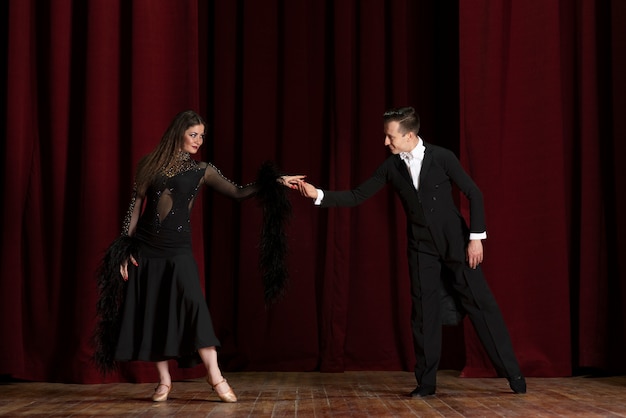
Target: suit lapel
[(428, 158), (403, 169)]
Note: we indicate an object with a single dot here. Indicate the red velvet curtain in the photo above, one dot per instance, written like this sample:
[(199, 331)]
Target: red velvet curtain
[(528, 95), (539, 133)]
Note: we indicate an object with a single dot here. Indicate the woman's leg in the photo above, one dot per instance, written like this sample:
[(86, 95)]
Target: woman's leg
[(209, 358), (164, 373), (214, 374), (165, 382)]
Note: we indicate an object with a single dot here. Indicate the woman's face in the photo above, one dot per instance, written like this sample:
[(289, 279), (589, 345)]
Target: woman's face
[(193, 139)]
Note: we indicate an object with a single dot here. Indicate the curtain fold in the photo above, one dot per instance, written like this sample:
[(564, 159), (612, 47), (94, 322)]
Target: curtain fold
[(527, 95), (18, 170), (514, 145)]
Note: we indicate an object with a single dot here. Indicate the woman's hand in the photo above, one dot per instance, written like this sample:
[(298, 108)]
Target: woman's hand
[(290, 181), (124, 267)]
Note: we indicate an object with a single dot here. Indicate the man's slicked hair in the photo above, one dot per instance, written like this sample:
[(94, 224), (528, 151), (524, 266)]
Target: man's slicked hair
[(408, 119)]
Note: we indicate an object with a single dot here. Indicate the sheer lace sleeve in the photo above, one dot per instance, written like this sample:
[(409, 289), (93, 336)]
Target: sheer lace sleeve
[(216, 180), (132, 214)]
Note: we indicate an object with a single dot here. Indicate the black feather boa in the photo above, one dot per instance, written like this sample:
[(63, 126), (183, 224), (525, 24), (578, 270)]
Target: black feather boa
[(111, 290), (273, 240)]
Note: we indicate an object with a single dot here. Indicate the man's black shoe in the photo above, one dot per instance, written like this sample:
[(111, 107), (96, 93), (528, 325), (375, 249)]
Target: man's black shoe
[(518, 384), (422, 391)]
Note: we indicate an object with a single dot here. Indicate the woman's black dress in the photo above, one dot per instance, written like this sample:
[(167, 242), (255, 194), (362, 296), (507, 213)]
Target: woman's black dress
[(164, 314)]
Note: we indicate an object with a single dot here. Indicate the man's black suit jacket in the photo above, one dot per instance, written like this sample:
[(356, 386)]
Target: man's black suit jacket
[(440, 169)]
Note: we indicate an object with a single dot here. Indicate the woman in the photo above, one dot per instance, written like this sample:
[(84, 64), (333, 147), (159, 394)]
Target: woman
[(159, 312)]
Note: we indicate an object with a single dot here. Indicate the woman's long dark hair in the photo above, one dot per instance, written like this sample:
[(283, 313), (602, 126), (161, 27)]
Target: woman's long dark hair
[(164, 155)]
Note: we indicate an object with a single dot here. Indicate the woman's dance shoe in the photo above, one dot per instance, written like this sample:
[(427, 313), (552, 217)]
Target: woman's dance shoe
[(228, 396), (160, 397)]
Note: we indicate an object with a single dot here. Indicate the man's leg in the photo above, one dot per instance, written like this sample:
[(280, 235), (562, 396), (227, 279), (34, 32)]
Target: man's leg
[(425, 271), (482, 309)]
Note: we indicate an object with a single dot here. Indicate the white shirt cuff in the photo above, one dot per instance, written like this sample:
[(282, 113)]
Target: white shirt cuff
[(478, 235), (320, 197)]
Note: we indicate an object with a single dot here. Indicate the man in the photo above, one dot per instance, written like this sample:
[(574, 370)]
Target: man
[(422, 175)]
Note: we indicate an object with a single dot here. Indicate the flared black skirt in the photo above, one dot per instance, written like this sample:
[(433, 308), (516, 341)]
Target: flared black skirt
[(164, 315)]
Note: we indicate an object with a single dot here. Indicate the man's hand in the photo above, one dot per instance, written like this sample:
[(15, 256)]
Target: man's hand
[(474, 255), (307, 190)]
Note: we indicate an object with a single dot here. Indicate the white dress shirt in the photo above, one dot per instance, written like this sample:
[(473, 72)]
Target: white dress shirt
[(413, 159)]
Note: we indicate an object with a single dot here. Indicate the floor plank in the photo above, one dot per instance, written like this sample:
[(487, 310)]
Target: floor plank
[(350, 394)]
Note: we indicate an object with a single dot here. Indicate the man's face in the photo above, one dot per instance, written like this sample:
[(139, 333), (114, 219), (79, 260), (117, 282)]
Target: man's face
[(396, 141)]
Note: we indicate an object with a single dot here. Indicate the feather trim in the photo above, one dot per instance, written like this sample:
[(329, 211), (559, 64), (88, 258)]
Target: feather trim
[(111, 290), (273, 241)]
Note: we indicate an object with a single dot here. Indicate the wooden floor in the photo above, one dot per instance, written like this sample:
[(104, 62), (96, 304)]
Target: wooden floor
[(350, 394)]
